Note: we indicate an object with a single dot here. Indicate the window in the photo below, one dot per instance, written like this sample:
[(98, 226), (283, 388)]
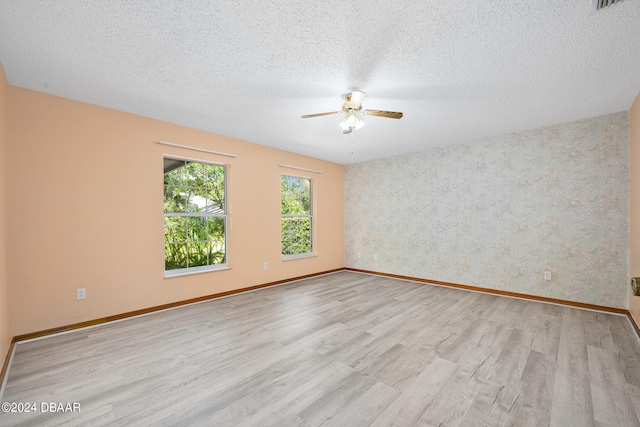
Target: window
[(195, 216), (296, 202)]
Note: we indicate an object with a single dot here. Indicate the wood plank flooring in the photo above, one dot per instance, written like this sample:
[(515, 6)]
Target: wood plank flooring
[(345, 349)]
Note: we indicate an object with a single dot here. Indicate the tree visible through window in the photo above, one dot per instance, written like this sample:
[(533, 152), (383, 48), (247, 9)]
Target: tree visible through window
[(296, 215), (195, 215)]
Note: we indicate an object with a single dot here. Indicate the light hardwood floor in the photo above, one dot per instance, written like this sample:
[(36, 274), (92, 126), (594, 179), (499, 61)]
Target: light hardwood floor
[(345, 349)]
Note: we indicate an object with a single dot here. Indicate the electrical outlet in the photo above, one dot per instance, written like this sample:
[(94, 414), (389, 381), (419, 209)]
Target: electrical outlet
[(81, 293), (375, 257), (265, 266), (547, 275), (359, 256)]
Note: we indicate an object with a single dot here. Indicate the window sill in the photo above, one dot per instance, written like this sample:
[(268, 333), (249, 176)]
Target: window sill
[(179, 273), (298, 256)]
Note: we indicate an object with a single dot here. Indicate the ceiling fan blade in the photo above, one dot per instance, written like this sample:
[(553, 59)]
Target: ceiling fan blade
[(308, 116), (380, 113), (356, 98)]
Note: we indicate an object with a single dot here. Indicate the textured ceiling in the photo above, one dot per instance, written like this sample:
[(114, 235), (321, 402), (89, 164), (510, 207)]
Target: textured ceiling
[(459, 70)]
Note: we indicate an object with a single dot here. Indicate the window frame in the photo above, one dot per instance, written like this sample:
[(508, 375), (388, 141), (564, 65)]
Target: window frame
[(310, 215), (225, 215)]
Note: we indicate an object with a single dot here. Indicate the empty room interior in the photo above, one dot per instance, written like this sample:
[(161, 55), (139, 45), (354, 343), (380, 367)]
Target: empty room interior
[(320, 213)]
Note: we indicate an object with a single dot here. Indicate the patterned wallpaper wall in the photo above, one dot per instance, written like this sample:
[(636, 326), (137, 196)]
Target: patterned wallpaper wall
[(498, 212)]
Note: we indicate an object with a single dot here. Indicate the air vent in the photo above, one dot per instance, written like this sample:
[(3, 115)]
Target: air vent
[(601, 4)]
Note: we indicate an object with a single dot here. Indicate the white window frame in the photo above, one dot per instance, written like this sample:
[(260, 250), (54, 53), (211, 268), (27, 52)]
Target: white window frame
[(311, 252), (225, 215)]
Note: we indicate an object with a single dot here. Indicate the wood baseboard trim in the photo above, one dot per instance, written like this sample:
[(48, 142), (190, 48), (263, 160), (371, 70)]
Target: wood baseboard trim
[(499, 292), (634, 323), (7, 359), (94, 322)]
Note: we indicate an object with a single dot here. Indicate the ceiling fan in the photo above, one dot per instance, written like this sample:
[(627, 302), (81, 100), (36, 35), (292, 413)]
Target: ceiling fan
[(352, 107)]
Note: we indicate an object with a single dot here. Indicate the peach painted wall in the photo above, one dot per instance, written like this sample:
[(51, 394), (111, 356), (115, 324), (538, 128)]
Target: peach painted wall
[(6, 332), (634, 204), (86, 212)]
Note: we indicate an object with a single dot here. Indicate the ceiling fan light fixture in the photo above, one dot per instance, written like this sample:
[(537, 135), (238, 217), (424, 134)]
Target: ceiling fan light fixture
[(351, 122)]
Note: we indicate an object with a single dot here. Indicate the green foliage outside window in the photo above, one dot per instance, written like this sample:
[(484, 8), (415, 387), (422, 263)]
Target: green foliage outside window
[(296, 215), (195, 214)]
